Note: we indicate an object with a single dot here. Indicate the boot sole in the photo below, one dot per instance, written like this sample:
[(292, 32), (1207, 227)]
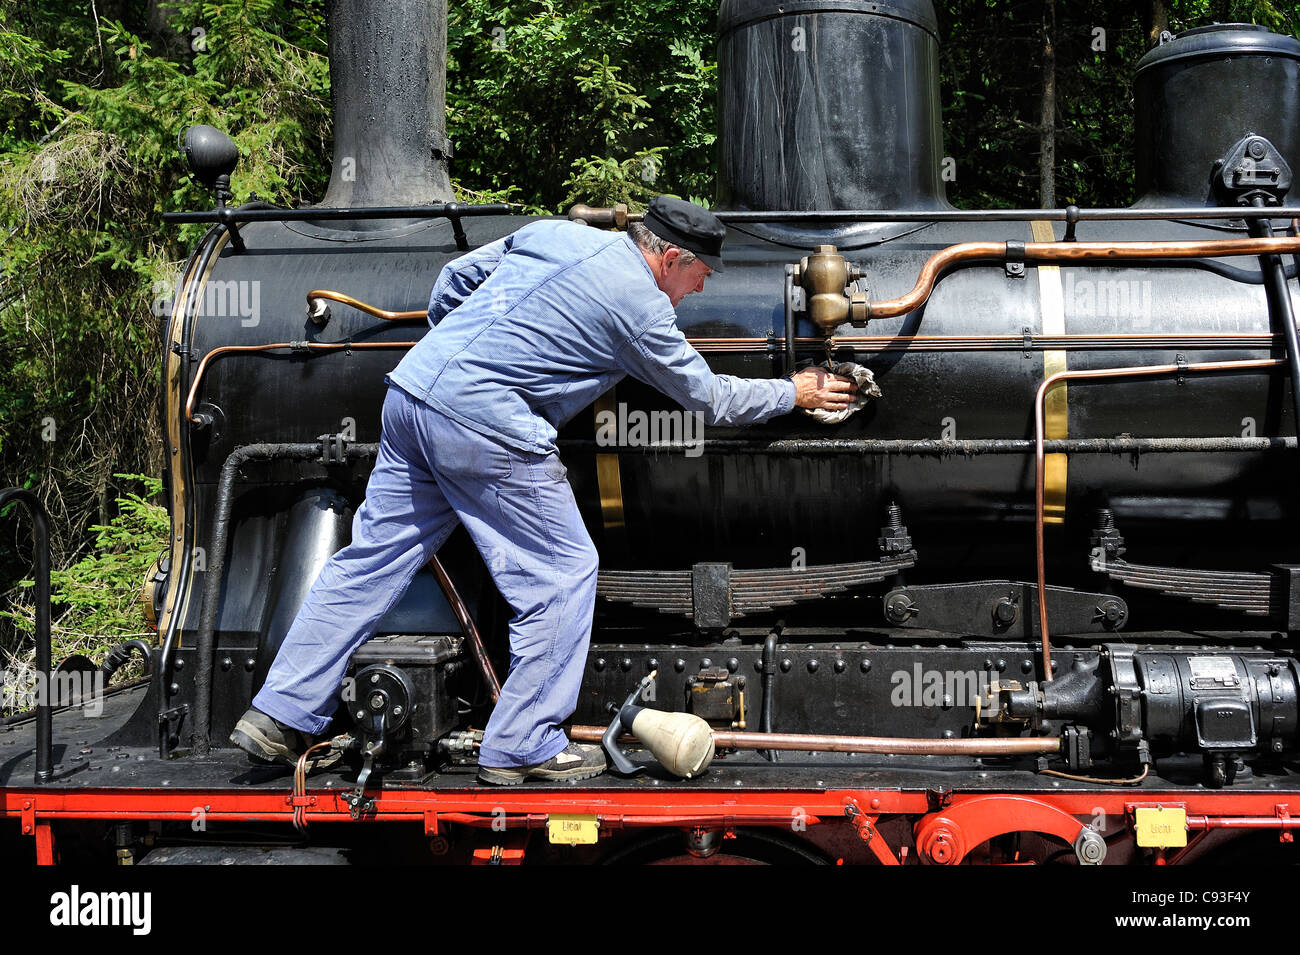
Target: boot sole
[(260, 749), (265, 752), (513, 777)]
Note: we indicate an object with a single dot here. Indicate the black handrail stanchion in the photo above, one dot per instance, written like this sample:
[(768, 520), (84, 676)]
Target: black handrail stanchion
[(1281, 314), (44, 707)]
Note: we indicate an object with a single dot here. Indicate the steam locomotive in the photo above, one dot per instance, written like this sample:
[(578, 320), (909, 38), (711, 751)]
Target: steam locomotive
[(1037, 601)]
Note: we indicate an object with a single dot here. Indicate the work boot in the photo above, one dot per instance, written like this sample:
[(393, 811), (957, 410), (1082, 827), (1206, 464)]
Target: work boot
[(575, 761), (267, 740)]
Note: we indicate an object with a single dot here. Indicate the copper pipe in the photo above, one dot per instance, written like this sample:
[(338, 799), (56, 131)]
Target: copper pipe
[(467, 624), (321, 293), (296, 346), (881, 745), (883, 343), (1040, 457), (886, 343), (945, 259)]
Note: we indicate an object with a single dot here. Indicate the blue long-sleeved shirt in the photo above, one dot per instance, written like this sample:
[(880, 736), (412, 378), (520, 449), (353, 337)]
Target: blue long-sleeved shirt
[(530, 329)]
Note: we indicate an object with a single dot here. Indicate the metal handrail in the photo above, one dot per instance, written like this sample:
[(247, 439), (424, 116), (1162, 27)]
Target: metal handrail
[(44, 708)]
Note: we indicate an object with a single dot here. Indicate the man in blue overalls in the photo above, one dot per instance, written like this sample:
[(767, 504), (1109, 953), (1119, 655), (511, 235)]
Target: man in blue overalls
[(527, 331)]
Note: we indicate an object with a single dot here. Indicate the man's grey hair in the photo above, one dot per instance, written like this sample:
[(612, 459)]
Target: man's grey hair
[(655, 245)]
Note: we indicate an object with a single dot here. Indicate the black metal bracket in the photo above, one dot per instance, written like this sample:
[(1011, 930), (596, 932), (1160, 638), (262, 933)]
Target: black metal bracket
[(333, 448), (226, 216), (1001, 609), (1252, 172), (170, 722), (1071, 220), (1014, 263)]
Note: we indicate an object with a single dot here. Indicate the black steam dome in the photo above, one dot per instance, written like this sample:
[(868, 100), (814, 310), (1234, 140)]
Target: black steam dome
[(829, 104), (1199, 94)]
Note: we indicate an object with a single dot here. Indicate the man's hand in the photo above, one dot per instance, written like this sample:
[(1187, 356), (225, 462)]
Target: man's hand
[(817, 387)]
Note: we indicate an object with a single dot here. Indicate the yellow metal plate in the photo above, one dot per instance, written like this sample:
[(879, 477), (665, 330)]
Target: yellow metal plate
[(608, 477), (572, 830), (1056, 411), (1160, 827)]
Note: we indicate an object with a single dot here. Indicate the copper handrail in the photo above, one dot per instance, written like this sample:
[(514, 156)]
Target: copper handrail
[(385, 314), (467, 624), (272, 346), (1040, 457), (1067, 252)]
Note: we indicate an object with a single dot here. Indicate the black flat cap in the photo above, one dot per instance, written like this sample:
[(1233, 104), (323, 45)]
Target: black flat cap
[(687, 226)]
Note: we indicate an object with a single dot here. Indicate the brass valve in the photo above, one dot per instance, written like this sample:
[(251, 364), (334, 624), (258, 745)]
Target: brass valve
[(615, 217), (824, 277)]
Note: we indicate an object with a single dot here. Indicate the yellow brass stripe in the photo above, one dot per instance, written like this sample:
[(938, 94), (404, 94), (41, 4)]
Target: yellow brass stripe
[(1056, 412), (175, 408), (608, 477)]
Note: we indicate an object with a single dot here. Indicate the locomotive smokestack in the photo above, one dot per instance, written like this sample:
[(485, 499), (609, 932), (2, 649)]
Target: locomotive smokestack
[(829, 104), (388, 82), (1202, 92)]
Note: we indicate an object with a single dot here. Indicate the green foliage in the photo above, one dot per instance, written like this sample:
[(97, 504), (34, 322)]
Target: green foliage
[(89, 123), (992, 56), (95, 602), (591, 100)]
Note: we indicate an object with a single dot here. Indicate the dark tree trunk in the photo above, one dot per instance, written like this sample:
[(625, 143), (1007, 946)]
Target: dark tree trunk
[(1156, 20), (1047, 128), (167, 35)]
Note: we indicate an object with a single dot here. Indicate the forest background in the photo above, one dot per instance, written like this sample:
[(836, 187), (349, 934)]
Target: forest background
[(548, 102)]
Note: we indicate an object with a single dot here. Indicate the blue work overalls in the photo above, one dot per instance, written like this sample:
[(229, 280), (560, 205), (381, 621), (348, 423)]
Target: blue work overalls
[(527, 331)]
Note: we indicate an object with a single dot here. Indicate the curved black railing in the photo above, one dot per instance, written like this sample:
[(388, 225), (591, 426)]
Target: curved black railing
[(44, 706)]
